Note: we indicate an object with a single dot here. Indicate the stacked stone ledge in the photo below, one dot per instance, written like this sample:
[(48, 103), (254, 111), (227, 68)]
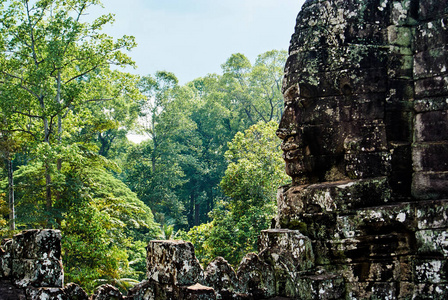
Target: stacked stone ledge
[(173, 272), (31, 268)]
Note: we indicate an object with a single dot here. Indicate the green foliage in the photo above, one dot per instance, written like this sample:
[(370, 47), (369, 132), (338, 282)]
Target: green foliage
[(199, 235), (178, 171), (64, 117), (62, 108), (250, 183), (4, 211), (111, 219)]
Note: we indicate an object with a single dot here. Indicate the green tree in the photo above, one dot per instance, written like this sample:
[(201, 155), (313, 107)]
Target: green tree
[(153, 168), (52, 65), (104, 225), (255, 91), (254, 173), (63, 103)]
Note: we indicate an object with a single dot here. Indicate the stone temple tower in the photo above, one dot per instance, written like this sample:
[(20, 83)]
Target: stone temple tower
[(365, 140)]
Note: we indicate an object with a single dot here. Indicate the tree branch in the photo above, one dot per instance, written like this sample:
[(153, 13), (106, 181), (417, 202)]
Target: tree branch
[(25, 131), (81, 74), (21, 86), (27, 114), (31, 28)]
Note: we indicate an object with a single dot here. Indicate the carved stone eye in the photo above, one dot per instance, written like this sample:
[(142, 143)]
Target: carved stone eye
[(307, 91)]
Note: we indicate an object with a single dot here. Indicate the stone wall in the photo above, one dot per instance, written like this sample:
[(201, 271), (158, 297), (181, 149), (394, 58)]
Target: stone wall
[(368, 79), (30, 264)]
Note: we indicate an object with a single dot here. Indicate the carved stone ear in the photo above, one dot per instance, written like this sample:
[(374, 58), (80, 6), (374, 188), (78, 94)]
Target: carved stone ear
[(345, 86)]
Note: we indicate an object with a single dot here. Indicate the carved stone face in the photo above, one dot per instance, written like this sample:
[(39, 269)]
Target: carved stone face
[(335, 90), (311, 130)]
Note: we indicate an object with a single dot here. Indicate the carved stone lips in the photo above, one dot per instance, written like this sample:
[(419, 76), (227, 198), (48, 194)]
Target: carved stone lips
[(290, 149), (288, 145), (292, 155)]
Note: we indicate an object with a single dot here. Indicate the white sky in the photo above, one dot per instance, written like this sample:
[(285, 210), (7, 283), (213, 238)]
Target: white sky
[(192, 38)]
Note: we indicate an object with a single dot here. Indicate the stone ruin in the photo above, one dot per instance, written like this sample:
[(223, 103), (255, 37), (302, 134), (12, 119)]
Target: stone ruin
[(365, 141)]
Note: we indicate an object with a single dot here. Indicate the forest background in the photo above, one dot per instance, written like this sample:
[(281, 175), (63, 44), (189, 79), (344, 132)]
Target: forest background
[(207, 172)]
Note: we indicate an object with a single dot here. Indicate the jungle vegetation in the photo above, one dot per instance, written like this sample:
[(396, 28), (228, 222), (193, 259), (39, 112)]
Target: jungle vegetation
[(206, 172)]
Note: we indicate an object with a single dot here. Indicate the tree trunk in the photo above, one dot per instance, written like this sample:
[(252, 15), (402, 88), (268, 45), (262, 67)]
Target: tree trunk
[(48, 187), (196, 214), (12, 217), (47, 132), (190, 214), (209, 202)]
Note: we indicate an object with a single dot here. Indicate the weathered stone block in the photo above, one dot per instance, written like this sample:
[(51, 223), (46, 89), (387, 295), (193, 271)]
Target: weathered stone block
[(107, 292), (433, 291), (403, 13), (366, 34), (432, 214), (372, 290), (400, 35), (320, 286), (75, 292), (430, 87), (329, 59), (365, 137), (400, 66), (430, 157), (37, 244), (431, 63), (430, 104), (286, 248), (366, 249), (431, 126), (431, 270), (367, 107), (198, 292), (220, 275), (432, 242), (367, 165), (173, 262), (400, 94), (8, 291), (430, 185), (297, 201), (373, 271), (391, 269), (256, 277), (6, 259), (361, 81), (142, 291), (47, 293), (430, 9), (289, 253), (399, 217), (151, 290), (431, 34), (37, 272)]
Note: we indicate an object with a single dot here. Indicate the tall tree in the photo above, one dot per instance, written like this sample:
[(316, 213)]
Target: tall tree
[(250, 183), (153, 168), (255, 91), (52, 65)]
